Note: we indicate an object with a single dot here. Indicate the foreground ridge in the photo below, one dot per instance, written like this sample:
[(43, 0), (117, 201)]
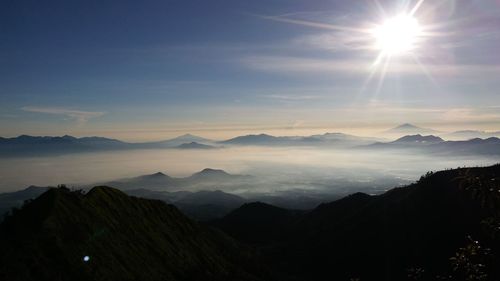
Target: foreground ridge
[(107, 235)]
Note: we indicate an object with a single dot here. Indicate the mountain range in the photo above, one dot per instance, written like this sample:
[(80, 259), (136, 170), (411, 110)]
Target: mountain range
[(179, 141), (438, 146), (462, 135), (206, 179), (327, 139), (443, 227), (199, 196), (470, 134), (42, 146)]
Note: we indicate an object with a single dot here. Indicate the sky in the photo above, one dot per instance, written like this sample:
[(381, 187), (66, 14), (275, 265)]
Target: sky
[(152, 69)]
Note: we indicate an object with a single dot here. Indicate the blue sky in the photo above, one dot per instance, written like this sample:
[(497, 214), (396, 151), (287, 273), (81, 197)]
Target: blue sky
[(151, 69)]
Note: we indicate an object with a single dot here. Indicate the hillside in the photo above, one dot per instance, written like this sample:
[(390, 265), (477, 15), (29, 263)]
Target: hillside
[(407, 233), (125, 238), (382, 237), (257, 222)]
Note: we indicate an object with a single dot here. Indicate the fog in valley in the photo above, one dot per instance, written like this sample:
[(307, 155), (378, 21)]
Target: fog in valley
[(273, 171)]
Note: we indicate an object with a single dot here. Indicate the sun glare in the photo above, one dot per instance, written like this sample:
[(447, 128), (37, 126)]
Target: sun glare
[(397, 35)]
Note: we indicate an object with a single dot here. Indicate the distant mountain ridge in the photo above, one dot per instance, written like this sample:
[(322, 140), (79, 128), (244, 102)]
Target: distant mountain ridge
[(182, 140), (436, 145), (161, 182), (470, 134), (419, 139), (210, 173), (327, 139), (409, 129), (195, 145), (25, 145)]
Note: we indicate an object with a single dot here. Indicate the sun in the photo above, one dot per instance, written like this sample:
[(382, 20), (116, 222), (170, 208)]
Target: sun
[(397, 35)]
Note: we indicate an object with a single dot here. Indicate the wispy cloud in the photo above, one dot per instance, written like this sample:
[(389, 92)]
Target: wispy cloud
[(484, 114), (335, 41), (281, 64), (79, 116), (314, 24)]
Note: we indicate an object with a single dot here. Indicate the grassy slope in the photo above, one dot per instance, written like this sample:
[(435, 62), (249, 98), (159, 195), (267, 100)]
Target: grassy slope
[(126, 238)]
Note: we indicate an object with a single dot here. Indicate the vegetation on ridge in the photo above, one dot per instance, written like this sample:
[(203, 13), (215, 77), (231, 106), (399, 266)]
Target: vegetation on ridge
[(125, 238)]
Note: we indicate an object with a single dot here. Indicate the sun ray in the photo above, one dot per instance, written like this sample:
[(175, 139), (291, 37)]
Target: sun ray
[(378, 59), (424, 70), (383, 73), (416, 7), (397, 36), (380, 9)]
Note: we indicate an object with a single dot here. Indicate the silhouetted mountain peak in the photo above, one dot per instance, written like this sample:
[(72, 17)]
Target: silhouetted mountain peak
[(419, 139), (188, 135), (493, 139), (407, 126), (259, 136), (256, 222), (251, 139), (189, 138), (24, 137), (358, 196), (211, 172), (157, 175), (258, 205), (194, 145), (68, 137), (258, 211), (106, 191)]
